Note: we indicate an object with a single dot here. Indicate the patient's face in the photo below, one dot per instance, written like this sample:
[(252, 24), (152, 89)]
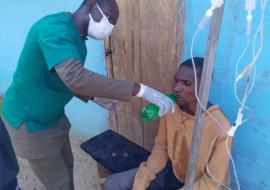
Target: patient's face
[(185, 86)]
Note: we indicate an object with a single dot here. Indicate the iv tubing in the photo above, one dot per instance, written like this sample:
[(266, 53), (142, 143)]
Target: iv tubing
[(235, 83), (196, 94), (247, 93), (260, 28), (235, 174)]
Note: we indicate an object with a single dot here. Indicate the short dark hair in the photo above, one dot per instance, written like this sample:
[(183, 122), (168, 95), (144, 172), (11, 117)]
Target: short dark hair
[(198, 61), (100, 3)]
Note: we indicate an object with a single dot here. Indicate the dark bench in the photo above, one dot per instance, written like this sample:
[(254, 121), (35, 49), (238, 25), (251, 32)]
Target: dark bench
[(114, 153)]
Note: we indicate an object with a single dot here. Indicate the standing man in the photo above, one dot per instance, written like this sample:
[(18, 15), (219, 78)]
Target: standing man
[(49, 73)]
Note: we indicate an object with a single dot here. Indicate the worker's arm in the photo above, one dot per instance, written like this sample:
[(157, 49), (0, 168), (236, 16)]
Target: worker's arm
[(218, 166), (156, 161), (87, 83), (83, 98)]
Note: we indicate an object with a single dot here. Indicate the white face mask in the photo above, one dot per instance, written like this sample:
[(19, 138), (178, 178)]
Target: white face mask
[(99, 30)]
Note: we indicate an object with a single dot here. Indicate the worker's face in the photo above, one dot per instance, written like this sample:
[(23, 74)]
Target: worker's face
[(110, 10), (185, 86)]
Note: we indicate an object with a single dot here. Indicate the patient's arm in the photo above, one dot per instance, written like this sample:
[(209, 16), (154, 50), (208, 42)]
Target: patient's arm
[(156, 161)]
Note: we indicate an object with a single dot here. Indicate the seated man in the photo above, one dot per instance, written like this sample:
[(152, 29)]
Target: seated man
[(166, 167)]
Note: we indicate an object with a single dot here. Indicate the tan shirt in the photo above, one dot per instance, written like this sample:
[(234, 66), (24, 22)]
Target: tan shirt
[(86, 83), (173, 142)]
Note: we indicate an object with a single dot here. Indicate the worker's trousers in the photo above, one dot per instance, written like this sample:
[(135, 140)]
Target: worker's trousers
[(55, 172), (48, 153)]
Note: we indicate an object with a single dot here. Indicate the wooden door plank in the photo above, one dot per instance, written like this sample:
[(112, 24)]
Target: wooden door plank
[(159, 52), (125, 44), (113, 120)]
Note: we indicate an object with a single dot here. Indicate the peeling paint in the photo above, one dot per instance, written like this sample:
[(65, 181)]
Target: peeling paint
[(181, 12), (265, 74), (235, 7), (180, 31)]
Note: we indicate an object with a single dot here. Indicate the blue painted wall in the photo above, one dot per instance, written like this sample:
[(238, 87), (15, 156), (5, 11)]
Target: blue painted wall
[(251, 150), (16, 19)]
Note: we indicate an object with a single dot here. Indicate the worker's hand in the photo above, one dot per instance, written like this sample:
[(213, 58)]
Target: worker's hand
[(164, 103), (111, 105)]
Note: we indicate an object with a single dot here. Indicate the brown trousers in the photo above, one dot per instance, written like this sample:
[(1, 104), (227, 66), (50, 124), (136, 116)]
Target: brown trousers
[(55, 172), (48, 153)]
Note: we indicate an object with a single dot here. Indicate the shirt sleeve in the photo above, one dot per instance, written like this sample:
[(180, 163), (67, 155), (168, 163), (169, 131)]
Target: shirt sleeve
[(82, 98), (57, 44), (156, 162), (87, 83), (218, 166)]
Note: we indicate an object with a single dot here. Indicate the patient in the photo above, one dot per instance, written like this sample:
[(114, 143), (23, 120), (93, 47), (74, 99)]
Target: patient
[(166, 167)]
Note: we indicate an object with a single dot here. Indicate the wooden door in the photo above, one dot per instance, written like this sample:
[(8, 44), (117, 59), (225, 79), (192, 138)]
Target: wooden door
[(146, 47)]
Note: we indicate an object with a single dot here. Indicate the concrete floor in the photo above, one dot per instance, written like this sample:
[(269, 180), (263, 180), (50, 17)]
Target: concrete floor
[(85, 172)]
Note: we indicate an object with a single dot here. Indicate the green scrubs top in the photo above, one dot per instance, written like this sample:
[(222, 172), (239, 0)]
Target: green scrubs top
[(37, 96)]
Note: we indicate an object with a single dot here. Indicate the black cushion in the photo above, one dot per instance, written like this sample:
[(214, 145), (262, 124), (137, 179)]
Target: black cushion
[(115, 152)]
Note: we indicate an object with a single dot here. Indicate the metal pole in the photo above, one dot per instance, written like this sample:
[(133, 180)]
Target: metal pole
[(209, 61)]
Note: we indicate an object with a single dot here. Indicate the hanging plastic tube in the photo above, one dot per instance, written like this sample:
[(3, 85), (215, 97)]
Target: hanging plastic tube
[(250, 6), (249, 67), (208, 14)]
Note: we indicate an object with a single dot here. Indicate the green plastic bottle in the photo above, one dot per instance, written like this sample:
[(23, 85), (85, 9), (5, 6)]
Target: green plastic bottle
[(150, 112)]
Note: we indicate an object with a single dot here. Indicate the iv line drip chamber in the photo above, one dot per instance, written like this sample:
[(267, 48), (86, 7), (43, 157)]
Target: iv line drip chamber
[(209, 12), (249, 7)]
